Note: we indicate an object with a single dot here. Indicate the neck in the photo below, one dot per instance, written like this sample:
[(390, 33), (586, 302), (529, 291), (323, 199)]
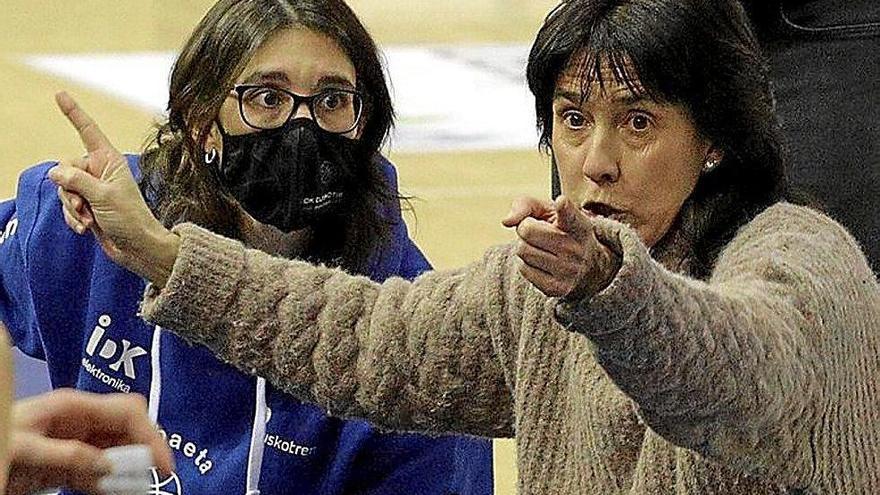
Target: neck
[(675, 249), (269, 239)]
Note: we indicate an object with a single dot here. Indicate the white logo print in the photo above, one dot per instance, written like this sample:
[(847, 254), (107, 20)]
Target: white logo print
[(108, 350), (201, 458), (284, 445), (169, 486), (9, 231)]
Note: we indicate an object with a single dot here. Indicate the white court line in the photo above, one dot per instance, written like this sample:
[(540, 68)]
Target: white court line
[(447, 97)]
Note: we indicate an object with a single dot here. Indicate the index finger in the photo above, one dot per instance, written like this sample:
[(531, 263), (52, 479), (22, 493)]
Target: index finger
[(524, 207), (542, 235), (571, 219), (88, 129)]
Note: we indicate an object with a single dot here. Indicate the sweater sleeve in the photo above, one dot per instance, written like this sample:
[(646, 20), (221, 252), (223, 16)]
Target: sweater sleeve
[(769, 367), (434, 354)]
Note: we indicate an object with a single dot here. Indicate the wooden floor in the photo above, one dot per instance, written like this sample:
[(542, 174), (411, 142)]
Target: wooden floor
[(460, 195)]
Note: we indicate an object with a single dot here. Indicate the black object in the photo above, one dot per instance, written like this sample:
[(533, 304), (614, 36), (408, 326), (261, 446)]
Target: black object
[(825, 65), (289, 177)]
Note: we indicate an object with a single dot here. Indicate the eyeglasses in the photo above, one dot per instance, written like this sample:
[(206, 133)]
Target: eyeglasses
[(264, 107)]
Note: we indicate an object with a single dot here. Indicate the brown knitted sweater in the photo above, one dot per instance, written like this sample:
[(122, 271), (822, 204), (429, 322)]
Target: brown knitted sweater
[(763, 377)]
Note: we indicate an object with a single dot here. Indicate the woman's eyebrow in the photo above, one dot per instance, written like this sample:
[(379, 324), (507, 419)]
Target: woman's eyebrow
[(572, 96), (619, 98), (630, 99), (334, 80), (267, 76)]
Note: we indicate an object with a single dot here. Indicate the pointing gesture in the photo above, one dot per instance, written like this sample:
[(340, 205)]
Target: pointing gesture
[(93, 139), (98, 192), (560, 252), (102, 160)]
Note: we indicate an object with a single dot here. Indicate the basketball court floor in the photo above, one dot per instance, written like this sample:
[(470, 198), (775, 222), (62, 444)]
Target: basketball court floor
[(465, 143)]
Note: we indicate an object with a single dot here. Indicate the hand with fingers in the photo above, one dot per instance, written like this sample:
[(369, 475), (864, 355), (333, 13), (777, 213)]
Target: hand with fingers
[(98, 192), (56, 439), (559, 248)]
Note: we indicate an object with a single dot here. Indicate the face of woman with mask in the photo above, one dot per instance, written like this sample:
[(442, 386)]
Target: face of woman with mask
[(277, 111), (283, 140)]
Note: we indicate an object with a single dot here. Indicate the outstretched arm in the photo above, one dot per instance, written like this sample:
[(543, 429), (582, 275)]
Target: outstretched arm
[(770, 367), (434, 354)]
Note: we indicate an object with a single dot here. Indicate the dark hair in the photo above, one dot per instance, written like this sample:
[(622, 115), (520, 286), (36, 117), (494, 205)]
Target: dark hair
[(700, 54), (181, 187)]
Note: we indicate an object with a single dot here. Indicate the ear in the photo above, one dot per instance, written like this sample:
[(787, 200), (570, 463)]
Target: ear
[(359, 130), (714, 154), (711, 160), (212, 141), (212, 145)]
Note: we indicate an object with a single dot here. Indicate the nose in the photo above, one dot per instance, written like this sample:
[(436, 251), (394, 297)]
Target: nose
[(301, 111), (602, 158)]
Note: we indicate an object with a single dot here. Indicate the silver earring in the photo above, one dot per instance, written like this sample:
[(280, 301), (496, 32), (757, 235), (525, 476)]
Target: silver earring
[(210, 156), (710, 164)]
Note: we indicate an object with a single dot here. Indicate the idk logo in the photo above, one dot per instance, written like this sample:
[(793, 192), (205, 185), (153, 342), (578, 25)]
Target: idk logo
[(110, 349)]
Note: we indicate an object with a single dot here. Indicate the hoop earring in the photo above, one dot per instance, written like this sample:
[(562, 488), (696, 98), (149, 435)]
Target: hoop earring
[(210, 156)]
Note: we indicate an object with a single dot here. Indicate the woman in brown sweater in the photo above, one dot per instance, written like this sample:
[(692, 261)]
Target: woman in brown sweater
[(703, 334)]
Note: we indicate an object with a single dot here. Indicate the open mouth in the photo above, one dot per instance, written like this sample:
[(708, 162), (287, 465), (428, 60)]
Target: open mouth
[(594, 208)]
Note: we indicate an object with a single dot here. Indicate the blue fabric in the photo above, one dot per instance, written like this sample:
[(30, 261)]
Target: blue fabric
[(66, 303)]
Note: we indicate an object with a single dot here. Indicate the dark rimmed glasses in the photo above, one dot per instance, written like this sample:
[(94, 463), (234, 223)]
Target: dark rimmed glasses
[(266, 107)]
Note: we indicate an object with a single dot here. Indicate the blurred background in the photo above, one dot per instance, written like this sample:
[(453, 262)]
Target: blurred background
[(465, 143)]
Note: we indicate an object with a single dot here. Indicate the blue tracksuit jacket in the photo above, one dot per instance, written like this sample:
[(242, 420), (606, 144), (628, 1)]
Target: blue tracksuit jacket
[(66, 303)]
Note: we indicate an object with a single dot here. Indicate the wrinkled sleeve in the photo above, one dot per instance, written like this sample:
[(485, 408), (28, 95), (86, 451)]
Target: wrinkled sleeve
[(769, 367), (431, 355)]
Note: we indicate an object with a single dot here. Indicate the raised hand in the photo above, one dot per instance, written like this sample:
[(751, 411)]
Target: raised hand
[(560, 253), (98, 192)]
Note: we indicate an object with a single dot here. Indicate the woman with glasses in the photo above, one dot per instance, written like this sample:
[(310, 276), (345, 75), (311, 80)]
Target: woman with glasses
[(277, 110)]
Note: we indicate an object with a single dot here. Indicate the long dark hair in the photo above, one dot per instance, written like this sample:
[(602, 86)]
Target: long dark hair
[(181, 187), (701, 54)]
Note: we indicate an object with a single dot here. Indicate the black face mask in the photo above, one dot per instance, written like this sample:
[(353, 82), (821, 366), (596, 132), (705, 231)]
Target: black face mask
[(289, 177)]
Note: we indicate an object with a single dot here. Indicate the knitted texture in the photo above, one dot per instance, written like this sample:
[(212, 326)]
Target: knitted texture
[(762, 378)]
